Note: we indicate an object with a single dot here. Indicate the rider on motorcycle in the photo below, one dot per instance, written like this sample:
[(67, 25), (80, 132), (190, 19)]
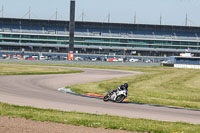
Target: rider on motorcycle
[(117, 95), (121, 87)]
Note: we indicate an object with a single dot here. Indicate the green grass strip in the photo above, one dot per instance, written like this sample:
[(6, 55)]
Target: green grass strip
[(6, 69), (158, 86), (93, 120)]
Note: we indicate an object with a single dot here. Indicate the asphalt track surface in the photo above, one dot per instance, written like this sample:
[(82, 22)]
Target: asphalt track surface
[(41, 91)]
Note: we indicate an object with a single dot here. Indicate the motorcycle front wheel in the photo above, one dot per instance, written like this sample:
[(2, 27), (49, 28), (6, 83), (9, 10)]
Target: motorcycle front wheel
[(120, 98), (106, 98)]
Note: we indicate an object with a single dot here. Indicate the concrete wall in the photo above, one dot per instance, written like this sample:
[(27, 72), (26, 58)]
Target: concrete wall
[(187, 66)]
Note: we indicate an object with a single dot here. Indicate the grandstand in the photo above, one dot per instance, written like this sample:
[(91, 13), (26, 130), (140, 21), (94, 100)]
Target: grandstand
[(96, 37)]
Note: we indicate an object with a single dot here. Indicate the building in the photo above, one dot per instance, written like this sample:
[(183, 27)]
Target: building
[(98, 38), (185, 60)]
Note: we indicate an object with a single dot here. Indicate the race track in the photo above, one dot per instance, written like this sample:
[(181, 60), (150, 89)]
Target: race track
[(41, 91)]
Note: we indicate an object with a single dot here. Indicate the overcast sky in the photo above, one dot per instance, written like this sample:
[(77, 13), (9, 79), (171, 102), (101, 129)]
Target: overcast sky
[(121, 11)]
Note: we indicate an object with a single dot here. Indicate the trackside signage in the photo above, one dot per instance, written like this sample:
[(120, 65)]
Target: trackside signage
[(70, 56)]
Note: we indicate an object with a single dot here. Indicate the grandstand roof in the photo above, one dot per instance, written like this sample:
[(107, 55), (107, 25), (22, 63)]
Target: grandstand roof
[(121, 26)]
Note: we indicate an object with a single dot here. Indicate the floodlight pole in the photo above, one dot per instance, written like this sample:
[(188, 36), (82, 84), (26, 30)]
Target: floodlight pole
[(186, 20), (56, 14), (160, 19), (71, 26), (2, 10), (29, 12), (135, 17), (83, 15), (109, 17)]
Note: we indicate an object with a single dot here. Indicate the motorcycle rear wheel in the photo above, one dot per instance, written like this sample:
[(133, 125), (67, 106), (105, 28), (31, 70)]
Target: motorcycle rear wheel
[(120, 99)]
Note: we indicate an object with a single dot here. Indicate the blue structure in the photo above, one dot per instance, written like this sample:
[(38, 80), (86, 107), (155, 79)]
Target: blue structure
[(185, 60)]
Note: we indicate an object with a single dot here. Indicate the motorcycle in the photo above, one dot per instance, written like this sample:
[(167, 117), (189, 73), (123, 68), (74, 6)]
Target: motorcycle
[(117, 96)]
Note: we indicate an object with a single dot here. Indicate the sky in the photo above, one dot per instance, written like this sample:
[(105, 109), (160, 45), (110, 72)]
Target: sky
[(173, 12)]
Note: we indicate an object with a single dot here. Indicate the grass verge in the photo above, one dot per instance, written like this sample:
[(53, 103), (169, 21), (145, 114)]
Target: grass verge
[(93, 120), (158, 86), (6, 69)]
